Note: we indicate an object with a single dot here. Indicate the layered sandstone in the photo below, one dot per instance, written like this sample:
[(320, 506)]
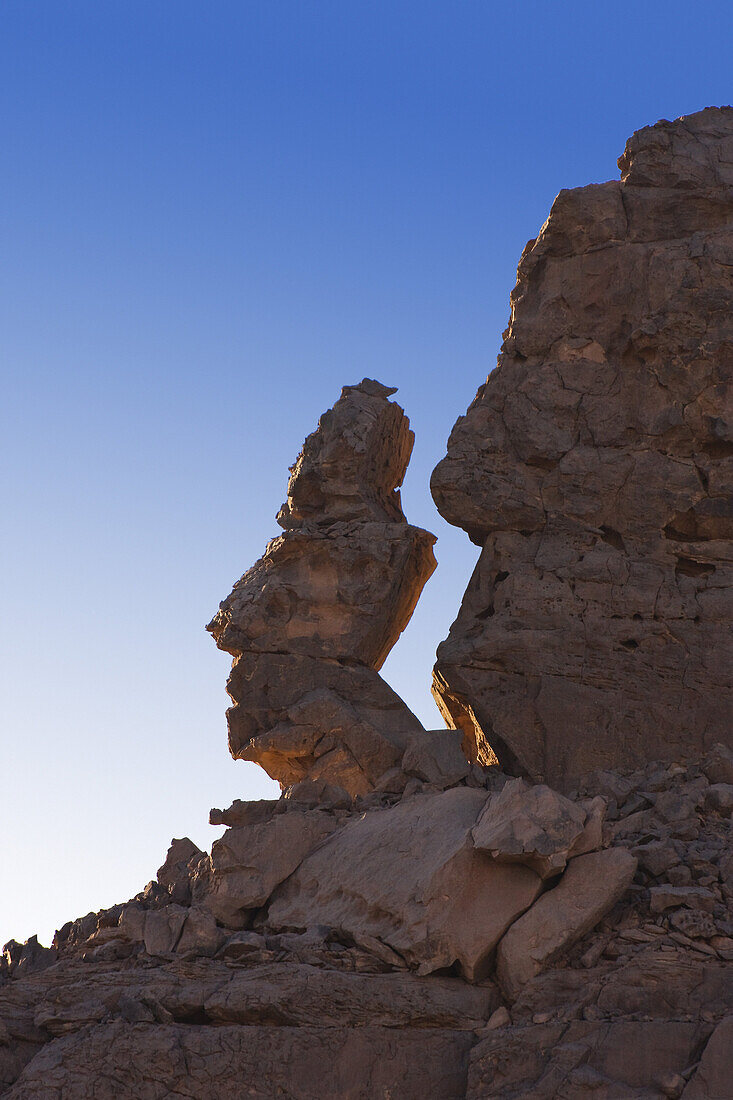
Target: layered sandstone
[(313, 620), (595, 470)]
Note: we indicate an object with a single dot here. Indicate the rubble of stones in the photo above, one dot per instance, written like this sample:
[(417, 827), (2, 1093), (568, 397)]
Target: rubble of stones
[(602, 926), (537, 903)]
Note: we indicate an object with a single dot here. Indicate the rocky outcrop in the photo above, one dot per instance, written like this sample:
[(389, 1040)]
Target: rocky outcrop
[(595, 470), (402, 921), (376, 948), (313, 620)]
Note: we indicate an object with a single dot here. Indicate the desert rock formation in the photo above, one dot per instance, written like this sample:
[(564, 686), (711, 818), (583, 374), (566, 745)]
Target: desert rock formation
[(313, 620), (595, 470), (403, 921)]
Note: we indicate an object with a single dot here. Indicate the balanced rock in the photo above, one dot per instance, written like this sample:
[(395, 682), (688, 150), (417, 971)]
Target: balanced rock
[(595, 470), (310, 623)]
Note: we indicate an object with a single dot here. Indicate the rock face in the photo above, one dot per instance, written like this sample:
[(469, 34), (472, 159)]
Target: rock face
[(404, 922), (312, 621), (595, 470)]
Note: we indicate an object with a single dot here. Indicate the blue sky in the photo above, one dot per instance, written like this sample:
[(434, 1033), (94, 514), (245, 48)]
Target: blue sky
[(213, 216)]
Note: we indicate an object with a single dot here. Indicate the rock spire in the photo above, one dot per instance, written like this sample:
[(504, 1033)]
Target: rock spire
[(313, 620)]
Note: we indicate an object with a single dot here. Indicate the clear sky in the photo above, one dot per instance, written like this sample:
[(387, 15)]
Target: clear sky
[(213, 216)]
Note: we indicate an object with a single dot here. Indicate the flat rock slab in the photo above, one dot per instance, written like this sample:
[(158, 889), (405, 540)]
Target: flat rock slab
[(119, 1061), (410, 876), (614, 1060), (591, 885)]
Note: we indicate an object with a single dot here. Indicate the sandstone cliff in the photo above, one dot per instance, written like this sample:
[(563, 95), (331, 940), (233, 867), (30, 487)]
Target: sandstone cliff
[(595, 470)]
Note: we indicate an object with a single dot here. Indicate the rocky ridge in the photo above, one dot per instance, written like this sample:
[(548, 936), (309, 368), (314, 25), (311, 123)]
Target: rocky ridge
[(404, 921)]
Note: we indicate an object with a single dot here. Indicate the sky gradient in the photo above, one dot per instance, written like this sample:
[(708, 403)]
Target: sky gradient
[(214, 216)]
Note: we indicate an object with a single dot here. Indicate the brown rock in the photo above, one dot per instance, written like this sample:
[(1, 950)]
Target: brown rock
[(163, 929), (175, 874), (437, 758), (714, 1075), (303, 718), (200, 937), (410, 877), (531, 825), (350, 468), (594, 468), (718, 766), (591, 885), (344, 592), (313, 620), (249, 861), (119, 1061), (616, 1059), (244, 813), (671, 897)]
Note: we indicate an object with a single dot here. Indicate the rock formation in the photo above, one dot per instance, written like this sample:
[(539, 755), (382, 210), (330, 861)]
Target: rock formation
[(595, 470), (404, 922), (312, 621)]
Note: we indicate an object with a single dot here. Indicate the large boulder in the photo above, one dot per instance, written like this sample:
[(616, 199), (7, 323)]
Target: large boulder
[(591, 885), (410, 877), (595, 470), (301, 718), (249, 861), (531, 825)]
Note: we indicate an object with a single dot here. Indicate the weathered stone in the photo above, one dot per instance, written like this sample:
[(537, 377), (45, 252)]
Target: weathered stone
[(302, 718), (712, 1079), (594, 469), (618, 1059), (350, 468), (437, 758), (344, 592), (249, 861), (200, 936), (592, 836), (244, 813), (531, 825), (671, 897), (119, 1061), (411, 877), (309, 624), (694, 923), (718, 765), (317, 793), (719, 797), (591, 885), (175, 873), (163, 929)]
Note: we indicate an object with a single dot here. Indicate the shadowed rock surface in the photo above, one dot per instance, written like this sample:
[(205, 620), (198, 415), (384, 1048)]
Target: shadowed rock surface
[(595, 470)]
